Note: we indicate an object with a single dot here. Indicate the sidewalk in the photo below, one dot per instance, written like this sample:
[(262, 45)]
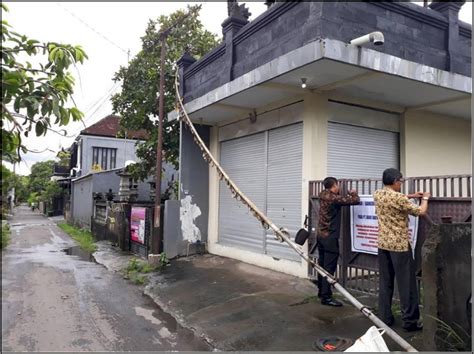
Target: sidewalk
[(239, 307)]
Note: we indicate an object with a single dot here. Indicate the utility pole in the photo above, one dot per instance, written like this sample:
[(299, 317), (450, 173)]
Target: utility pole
[(157, 225)]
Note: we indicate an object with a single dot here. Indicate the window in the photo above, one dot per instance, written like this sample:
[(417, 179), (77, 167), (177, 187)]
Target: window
[(104, 157)]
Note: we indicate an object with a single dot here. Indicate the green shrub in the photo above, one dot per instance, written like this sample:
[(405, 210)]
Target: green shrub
[(5, 235), (137, 269), (83, 237)]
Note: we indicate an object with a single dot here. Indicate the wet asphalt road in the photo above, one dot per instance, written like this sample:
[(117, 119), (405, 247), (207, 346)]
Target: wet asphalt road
[(52, 301)]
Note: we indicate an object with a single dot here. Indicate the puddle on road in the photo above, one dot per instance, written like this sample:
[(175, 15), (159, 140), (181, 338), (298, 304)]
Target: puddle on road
[(169, 329), (79, 252)]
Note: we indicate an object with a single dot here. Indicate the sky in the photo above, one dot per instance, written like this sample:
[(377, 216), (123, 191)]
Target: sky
[(110, 33)]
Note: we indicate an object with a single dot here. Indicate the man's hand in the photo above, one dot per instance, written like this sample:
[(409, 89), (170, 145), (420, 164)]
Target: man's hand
[(415, 195), (424, 203), (352, 191)]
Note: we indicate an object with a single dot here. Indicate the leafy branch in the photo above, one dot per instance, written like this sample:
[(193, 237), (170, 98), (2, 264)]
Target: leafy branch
[(39, 95)]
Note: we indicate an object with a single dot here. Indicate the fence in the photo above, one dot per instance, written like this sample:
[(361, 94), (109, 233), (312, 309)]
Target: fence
[(451, 196), (128, 225)]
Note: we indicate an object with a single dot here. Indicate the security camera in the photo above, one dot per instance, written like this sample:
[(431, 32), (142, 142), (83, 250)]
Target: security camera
[(376, 38)]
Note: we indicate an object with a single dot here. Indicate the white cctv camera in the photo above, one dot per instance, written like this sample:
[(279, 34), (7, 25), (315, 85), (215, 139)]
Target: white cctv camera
[(376, 38)]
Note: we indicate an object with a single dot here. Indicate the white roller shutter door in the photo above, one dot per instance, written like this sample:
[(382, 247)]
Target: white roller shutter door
[(358, 152), (284, 186), (267, 167), (244, 160)]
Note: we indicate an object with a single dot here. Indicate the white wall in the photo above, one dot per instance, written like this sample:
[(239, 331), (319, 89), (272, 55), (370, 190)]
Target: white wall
[(125, 150), (435, 145)]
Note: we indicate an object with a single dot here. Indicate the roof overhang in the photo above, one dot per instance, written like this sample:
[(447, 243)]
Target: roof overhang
[(333, 66)]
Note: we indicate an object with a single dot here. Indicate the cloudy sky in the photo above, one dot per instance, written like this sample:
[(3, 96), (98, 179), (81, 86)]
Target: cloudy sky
[(107, 31)]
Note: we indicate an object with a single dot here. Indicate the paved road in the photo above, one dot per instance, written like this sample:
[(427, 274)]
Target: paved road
[(52, 301)]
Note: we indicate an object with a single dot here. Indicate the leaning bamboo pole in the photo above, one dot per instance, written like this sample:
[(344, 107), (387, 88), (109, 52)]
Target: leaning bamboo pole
[(280, 233)]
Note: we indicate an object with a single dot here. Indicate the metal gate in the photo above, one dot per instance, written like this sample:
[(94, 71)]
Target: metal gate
[(451, 196)]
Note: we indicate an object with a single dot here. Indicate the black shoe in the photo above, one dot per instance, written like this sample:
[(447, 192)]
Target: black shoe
[(331, 302), (414, 327)]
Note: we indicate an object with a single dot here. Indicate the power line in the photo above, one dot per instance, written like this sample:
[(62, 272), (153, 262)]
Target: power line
[(100, 102), (103, 102), (105, 96), (93, 29)]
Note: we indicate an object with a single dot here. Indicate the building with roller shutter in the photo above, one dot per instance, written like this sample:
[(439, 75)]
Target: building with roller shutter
[(403, 104)]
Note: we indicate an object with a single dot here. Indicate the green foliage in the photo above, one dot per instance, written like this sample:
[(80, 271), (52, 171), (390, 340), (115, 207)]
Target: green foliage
[(40, 176), (63, 158), (52, 190), (137, 102), (83, 237), (34, 97), (454, 338), (5, 235), (32, 198), (7, 176), (137, 269), (11, 180), (21, 188)]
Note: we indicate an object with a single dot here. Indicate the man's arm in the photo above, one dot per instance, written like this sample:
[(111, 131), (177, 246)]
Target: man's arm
[(414, 209), (351, 199)]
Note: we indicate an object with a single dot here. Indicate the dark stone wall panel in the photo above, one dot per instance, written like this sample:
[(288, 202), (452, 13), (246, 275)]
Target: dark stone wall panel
[(412, 33)]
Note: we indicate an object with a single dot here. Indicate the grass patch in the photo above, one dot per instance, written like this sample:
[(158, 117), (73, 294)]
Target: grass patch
[(136, 270), (454, 338), (5, 235), (83, 237)]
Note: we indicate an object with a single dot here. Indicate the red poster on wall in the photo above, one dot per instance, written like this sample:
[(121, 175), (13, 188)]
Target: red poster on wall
[(137, 225)]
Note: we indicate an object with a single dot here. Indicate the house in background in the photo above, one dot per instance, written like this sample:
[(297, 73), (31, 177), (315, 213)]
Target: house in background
[(286, 99), (98, 146), (97, 157)]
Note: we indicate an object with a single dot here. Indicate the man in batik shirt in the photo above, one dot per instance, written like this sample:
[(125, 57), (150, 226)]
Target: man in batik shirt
[(329, 226), (394, 250)]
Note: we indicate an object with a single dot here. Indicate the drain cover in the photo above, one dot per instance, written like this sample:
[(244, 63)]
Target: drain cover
[(332, 344)]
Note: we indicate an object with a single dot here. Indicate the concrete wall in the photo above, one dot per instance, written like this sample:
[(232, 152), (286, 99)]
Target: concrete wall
[(193, 185), (99, 182), (103, 181), (125, 150), (435, 145), (447, 281), (81, 201)]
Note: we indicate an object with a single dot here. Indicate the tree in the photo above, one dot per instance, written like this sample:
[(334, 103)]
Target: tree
[(21, 184), (64, 157), (6, 182), (40, 176), (11, 180), (137, 103), (34, 97), (51, 190)]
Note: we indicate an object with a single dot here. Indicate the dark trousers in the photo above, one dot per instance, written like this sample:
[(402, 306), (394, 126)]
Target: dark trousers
[(399, 266), (328, 248)]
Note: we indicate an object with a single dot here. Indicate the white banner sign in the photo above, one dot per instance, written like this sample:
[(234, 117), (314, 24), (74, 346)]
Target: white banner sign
[(365, 229)]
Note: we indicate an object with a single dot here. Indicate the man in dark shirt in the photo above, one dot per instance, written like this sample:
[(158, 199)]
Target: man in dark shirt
[(329, 226)]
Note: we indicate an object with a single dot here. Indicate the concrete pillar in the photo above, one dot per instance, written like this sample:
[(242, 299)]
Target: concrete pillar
[(447, 289), (124, 186)]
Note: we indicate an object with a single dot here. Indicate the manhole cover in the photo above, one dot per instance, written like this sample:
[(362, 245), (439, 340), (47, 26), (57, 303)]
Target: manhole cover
[(332, 344)]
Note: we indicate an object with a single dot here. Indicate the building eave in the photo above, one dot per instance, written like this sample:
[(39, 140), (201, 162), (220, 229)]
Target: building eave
[(337, 51)]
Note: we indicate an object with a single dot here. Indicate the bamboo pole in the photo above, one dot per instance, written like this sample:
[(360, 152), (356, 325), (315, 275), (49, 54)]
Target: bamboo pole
[(280, 233)]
